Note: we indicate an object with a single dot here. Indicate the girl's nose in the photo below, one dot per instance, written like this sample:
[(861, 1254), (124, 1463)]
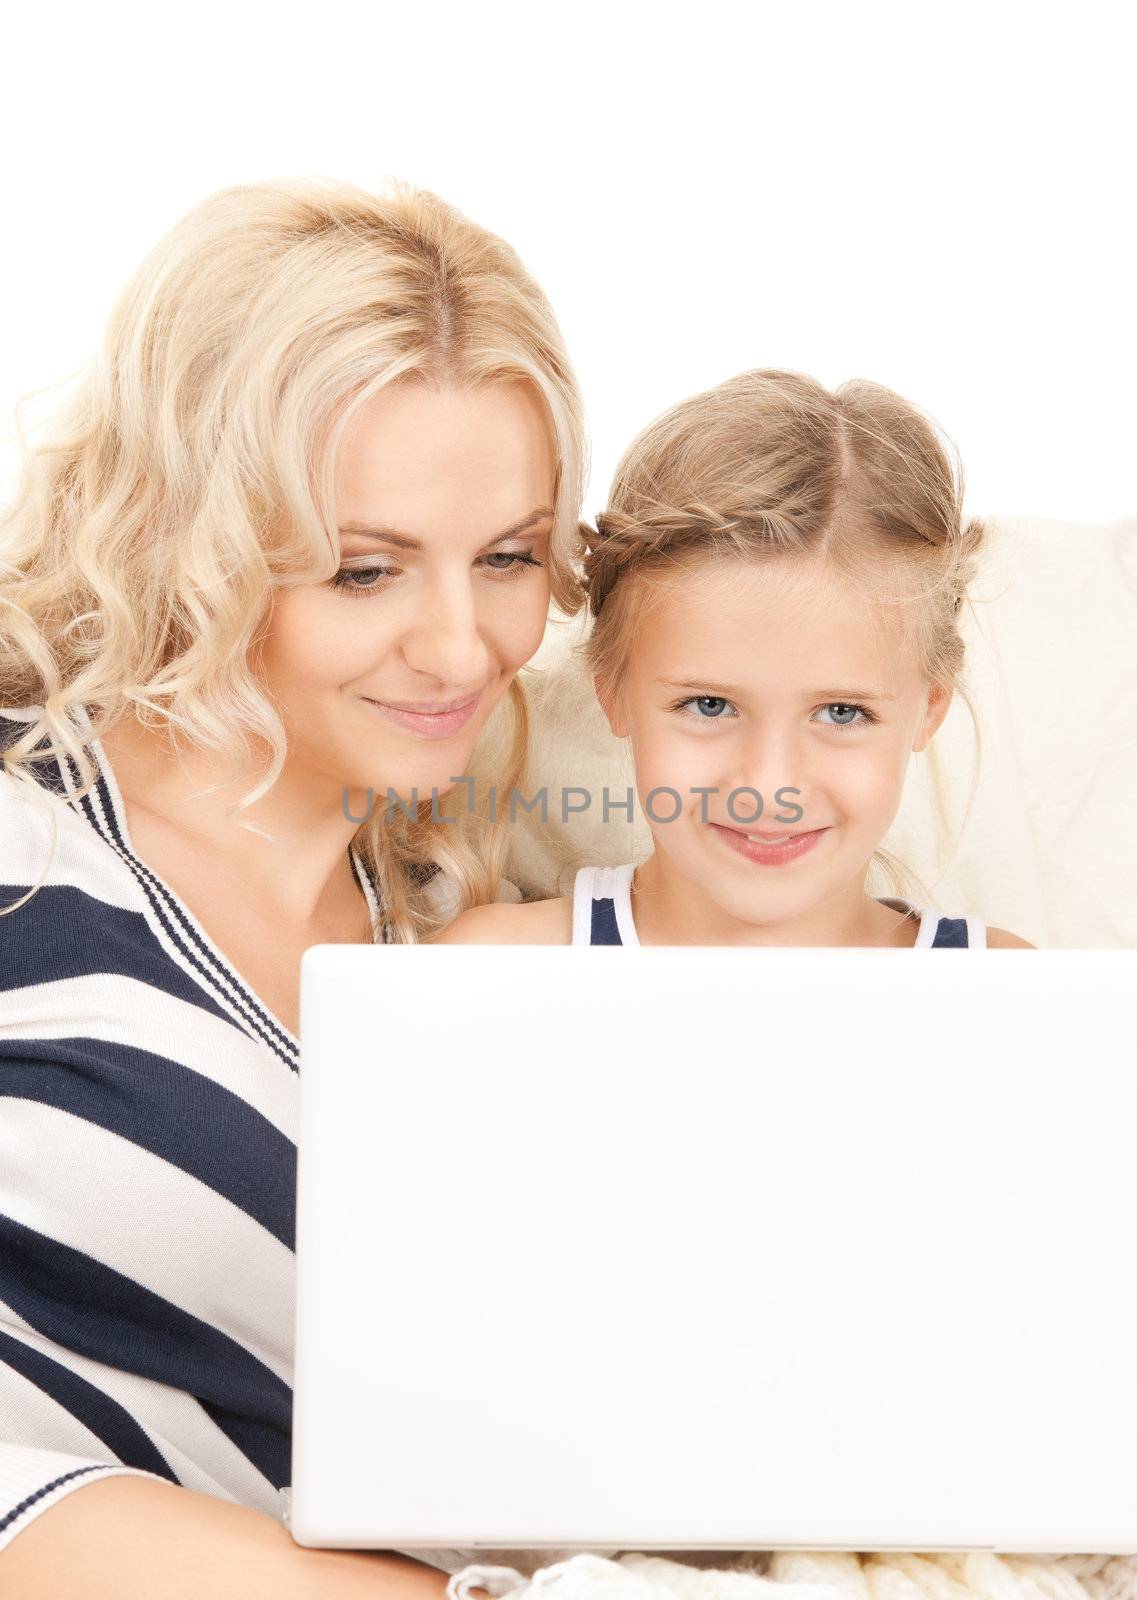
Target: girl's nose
[(770, 759), (446, 641)]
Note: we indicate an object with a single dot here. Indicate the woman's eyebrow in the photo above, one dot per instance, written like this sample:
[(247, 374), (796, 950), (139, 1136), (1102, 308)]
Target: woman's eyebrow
[(379, 532)]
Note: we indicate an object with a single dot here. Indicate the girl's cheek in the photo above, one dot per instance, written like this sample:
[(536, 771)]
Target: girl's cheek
[(664, 761), (869, 785)]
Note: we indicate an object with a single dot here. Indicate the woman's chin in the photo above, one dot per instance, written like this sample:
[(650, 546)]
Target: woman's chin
[(402, 783)]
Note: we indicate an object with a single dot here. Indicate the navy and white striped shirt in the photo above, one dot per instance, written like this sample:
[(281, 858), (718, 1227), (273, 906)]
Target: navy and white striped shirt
[(147, 1172)]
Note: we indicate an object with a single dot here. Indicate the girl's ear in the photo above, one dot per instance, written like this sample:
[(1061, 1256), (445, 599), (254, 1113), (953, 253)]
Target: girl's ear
[(610, 707), (939, 699)]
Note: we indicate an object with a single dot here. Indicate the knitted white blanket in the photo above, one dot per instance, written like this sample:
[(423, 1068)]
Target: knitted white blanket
[(808, 1575)]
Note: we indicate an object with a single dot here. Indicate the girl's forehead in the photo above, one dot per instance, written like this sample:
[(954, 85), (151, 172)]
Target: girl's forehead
[(778, 620), (767, 581), (776, 592)]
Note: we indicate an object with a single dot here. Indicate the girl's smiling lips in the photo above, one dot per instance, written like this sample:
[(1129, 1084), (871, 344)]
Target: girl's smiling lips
[(436, 720), (768, 850)]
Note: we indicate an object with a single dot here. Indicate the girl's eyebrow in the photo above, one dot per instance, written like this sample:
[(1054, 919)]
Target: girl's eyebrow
[(382, 534), (850, 694), (811, 694)]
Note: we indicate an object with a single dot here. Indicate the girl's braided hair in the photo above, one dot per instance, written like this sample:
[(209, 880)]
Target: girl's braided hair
[(771, 463)]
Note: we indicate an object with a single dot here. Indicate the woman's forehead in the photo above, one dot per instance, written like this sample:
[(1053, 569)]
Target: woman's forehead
[(418, 450)]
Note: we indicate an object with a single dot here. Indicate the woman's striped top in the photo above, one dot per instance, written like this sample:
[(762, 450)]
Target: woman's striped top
[(147, 1171)]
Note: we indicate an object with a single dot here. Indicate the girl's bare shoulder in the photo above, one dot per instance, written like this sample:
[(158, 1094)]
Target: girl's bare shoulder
[(1000, 939), (531, 922)]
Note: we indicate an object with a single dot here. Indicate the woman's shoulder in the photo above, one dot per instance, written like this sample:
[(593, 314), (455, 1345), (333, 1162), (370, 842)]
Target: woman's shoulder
[(29, 799), (48, 839), (531, 922), (36, 785)]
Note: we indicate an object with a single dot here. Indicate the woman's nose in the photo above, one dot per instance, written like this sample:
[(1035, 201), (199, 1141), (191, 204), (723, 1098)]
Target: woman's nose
[(446, 642)]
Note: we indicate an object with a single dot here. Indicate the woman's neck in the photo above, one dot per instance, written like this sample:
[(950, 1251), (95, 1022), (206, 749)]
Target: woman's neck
[(302, 871)]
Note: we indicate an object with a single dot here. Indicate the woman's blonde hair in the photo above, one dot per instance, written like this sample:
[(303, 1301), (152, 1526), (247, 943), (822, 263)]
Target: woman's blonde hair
[(193, 471), (772, 463)]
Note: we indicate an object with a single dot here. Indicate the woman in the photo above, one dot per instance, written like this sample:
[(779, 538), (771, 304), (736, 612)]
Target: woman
[(276, 567)]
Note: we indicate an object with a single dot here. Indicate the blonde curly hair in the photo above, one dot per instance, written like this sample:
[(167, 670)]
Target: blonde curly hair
[(192, 472)]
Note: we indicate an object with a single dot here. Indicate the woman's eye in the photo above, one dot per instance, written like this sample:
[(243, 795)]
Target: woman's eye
[(366, 580), (705, 707), (514, 561), (861, 716), (361, 580)]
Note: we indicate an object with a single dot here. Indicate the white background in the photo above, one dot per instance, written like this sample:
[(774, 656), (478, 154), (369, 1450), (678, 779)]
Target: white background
[(939, 198)]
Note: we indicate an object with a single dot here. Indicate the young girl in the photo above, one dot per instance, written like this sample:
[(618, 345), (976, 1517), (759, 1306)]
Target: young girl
[(775, 589)]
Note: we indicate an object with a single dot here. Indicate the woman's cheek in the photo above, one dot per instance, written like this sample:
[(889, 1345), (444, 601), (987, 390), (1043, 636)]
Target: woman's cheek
[(532, 639), (532, 634), (514, 626), (320, 640)]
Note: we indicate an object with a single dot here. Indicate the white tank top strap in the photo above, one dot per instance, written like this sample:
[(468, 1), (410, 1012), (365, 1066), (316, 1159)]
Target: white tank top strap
[(582, 905), (603, 883)]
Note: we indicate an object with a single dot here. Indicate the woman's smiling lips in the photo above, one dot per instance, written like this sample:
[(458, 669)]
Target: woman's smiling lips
[(773, 854), (434, 720)]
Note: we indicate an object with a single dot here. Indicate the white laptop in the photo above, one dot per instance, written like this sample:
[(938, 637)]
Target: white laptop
[(693, 1248)]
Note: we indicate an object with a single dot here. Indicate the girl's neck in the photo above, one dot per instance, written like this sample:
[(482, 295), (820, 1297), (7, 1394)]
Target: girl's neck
[(669, 908)]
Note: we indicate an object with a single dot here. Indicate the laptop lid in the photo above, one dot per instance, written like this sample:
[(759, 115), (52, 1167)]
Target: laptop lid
[(668, 1248)]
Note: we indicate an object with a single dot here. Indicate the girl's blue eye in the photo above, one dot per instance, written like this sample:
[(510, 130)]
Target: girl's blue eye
[(864, 716), (708, 706)]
